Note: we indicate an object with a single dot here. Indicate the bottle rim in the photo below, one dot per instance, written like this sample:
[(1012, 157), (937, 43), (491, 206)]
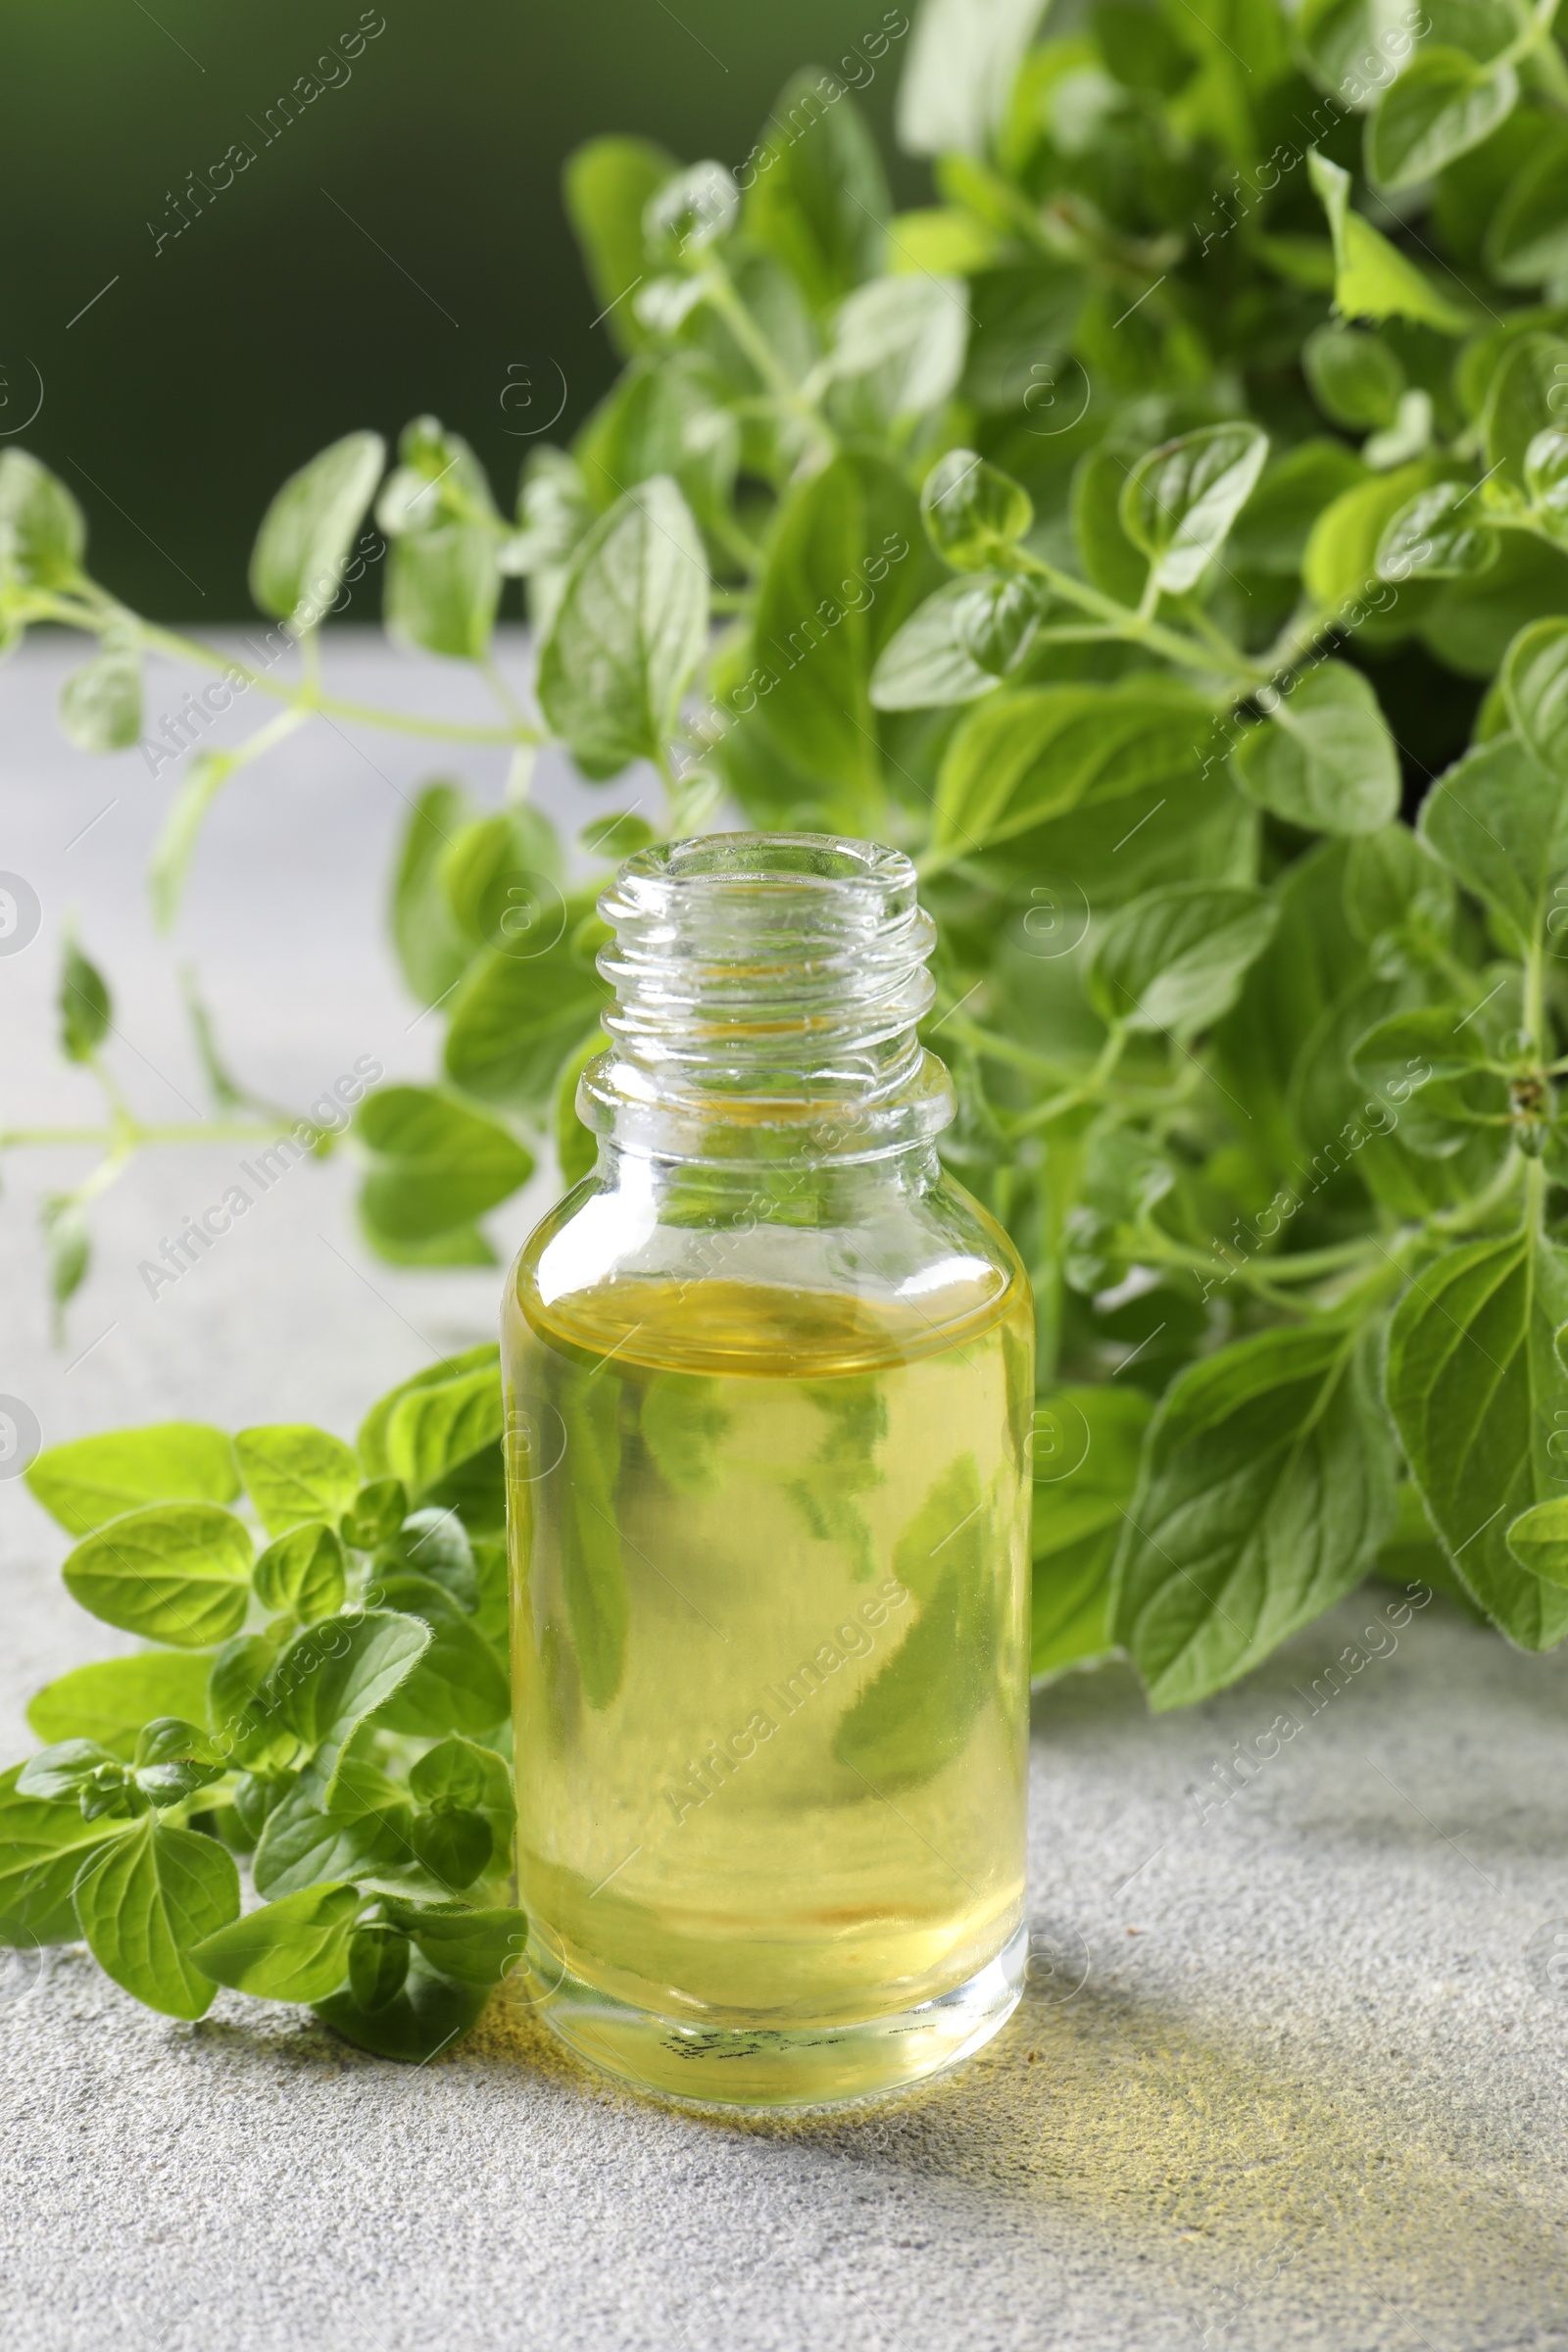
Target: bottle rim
[(768, 990)]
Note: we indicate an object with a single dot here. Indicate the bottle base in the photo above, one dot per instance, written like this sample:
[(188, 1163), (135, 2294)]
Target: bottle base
[(767, 2068)]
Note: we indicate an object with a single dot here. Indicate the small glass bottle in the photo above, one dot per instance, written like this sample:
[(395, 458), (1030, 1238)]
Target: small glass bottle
[(769, 1377)]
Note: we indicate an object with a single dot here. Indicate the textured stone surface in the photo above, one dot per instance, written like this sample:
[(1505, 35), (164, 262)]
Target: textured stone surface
[(1290, 2072)]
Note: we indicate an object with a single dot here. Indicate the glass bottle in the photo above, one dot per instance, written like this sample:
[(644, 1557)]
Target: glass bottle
[(769, 1377)]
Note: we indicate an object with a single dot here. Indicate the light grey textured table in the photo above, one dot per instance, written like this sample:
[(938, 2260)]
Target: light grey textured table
[(1311, 2092)]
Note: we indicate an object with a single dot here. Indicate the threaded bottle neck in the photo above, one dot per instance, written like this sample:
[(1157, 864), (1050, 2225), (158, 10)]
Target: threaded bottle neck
[(767, 987)]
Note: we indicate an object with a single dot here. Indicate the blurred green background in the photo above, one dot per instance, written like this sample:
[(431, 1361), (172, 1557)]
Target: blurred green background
[(400, 247)]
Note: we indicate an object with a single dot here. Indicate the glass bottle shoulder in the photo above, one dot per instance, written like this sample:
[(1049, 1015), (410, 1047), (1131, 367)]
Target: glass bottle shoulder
[(687, 1270)]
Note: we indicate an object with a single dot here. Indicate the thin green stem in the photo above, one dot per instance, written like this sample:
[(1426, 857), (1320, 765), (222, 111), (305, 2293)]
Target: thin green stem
[(1089, 1089), (304, 698), (1188, 652), (215, 1131), (721, 294), (1535, 1003), (993, 1048)]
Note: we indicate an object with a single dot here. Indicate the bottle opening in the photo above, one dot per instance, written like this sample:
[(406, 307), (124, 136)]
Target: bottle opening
[(767, 988)]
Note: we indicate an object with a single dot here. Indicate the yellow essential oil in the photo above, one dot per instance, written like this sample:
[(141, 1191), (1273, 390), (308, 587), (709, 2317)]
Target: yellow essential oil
[(768, 1517)]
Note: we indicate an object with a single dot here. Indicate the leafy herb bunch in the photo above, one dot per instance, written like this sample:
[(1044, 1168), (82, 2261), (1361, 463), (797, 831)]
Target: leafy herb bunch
[(328, 1697), (1130, 535)]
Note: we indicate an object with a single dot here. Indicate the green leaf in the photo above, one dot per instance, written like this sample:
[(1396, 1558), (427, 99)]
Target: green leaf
[(61, 1771), (1323, 758), (515, 1019), (456, 1769), (593, 1571), (110, 1701), (608, 186), (1434, 539), (435, 1162), (442, 589), (84, 1006), (437, 480), (146, 1900), (305, 1844), (302, 1574), (458, 1684), (629, 631), (42, 534), (100, 704), (1538, 1540), (973, 513), (1180, 500), (378, 1965), (1266, 1489), (1535, 686), (434, 1543), (92, 1480), (1108, 558), (963, 61), (920, 1710), (1527, 237), (372, 1435), (897, 351), (1497, 821), (204, 778), (665, 415), (928, 664), (376, 1513), (555, 513), (1546, 481), (245, 1723), (1391, 884), (453, 1845), (846, 564), (1022, 320), (428, 2015), (1430, 1066), (1372, 280), (959, 643), (67, 1246), (1525, 398), (1356, 377), (295, 1950), (502, 877), (330, 1678), (436, 1427), (42, 1842), (1085, 1457), (432, 947), (1441, 106), (1175, 959), (294, 1472), (476, 1946), (178, 1572), (1031, 755), (1350, 42), (816, 197), (1477, 1395), (1340, 559), (306, 533)]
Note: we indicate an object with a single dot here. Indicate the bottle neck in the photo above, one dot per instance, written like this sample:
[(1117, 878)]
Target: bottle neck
[(767, 989)]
